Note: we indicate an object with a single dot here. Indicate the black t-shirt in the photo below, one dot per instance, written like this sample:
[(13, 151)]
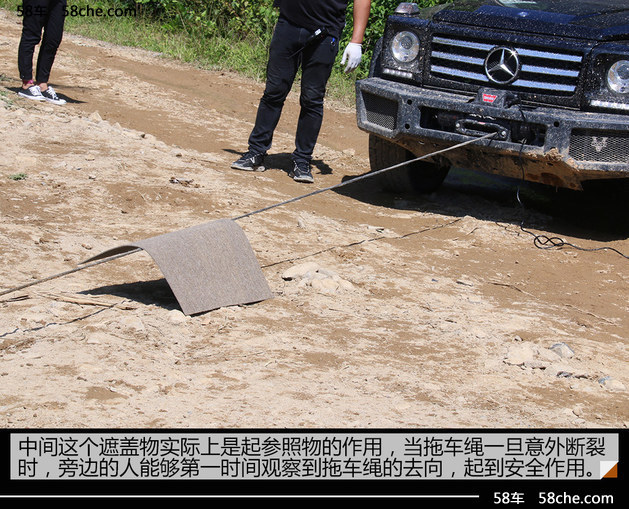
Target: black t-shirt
[(314, 14)]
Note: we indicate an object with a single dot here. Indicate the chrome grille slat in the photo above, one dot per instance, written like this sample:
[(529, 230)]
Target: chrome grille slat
[(462, 59), (458, 58), (542, 84), (550, 70), (549, 55), (462, 44), (460, 74)]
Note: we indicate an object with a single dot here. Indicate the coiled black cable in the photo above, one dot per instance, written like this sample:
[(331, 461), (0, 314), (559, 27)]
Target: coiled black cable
[(541, 241)]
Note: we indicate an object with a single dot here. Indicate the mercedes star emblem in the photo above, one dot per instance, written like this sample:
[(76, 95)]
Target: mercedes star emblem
[(502, 65)]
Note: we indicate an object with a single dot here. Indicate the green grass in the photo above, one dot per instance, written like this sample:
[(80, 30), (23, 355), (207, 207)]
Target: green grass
[(4, 98), (217, 53), (246, 57)]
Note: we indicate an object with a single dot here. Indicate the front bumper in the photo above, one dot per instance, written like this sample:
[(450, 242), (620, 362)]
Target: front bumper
[(552, 146)]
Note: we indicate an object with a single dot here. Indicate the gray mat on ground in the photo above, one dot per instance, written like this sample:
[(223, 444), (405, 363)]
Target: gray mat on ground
[(207, 266)]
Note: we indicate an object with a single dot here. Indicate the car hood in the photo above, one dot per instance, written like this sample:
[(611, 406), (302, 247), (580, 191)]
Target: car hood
[(590, 19)]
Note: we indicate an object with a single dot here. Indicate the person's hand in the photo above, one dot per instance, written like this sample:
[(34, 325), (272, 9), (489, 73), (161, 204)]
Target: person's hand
[(353, 54)]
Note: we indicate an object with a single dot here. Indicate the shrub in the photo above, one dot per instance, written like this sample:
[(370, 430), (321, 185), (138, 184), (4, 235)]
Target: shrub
[(250, 19)]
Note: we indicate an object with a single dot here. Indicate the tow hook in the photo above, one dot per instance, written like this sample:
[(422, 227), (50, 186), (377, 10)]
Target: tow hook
[(474, 127)]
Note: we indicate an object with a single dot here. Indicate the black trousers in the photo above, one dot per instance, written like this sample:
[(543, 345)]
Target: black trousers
[(38, 15), (285, 59)]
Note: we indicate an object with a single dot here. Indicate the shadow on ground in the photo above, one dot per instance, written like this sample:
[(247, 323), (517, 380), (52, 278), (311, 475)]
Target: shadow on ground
[(156, 292), (69, 100), (600, 212), (284, 162)]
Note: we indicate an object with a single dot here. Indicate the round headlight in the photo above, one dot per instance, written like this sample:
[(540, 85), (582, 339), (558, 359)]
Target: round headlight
[(618, 77), (405, 47)]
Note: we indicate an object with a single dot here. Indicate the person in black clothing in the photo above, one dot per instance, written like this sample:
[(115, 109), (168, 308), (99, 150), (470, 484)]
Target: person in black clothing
[(38, 15), (307, 35)]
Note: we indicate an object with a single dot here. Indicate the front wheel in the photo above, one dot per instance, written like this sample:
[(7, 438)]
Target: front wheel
[(420, 176)]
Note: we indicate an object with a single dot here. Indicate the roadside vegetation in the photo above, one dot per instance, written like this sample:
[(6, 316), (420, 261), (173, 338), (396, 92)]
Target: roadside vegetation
[(231, 35)]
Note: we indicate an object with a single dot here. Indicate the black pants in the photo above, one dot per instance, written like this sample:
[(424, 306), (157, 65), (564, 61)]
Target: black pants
[(38, 15), (285, 58)]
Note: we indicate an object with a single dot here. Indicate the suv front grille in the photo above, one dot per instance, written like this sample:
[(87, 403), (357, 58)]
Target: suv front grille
[(542, 70)]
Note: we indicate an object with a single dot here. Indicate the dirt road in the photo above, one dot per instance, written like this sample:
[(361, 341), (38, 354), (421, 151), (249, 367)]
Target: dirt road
[(437, 311)]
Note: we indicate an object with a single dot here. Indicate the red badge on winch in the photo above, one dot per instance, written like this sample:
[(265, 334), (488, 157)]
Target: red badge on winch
[(489, 98)]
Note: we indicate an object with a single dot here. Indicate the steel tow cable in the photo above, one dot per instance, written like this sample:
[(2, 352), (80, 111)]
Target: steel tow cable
[(258, 211)]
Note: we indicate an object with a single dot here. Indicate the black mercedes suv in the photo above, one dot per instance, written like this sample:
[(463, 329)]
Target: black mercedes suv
[(549, 79)]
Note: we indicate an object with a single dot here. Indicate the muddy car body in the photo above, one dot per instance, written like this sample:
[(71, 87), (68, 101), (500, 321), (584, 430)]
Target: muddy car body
[(549, 78)]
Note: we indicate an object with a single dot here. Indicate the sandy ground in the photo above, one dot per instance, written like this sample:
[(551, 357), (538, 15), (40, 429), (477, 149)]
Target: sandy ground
[(430, 312)]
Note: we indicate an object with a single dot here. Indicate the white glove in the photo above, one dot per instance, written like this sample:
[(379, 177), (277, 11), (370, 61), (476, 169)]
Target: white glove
[(353, 54)]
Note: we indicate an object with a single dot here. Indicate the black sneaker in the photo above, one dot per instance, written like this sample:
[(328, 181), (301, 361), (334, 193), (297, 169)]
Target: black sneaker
[(51, 96), (250, 162), (301, 172), (33, 92)]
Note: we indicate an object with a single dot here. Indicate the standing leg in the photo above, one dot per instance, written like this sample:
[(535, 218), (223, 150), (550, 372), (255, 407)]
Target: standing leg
[(53, 33), (34, 18), (281, 70), (316, 69)]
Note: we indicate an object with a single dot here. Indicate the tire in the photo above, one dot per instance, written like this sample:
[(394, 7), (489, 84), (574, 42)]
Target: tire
[(419, 177)]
